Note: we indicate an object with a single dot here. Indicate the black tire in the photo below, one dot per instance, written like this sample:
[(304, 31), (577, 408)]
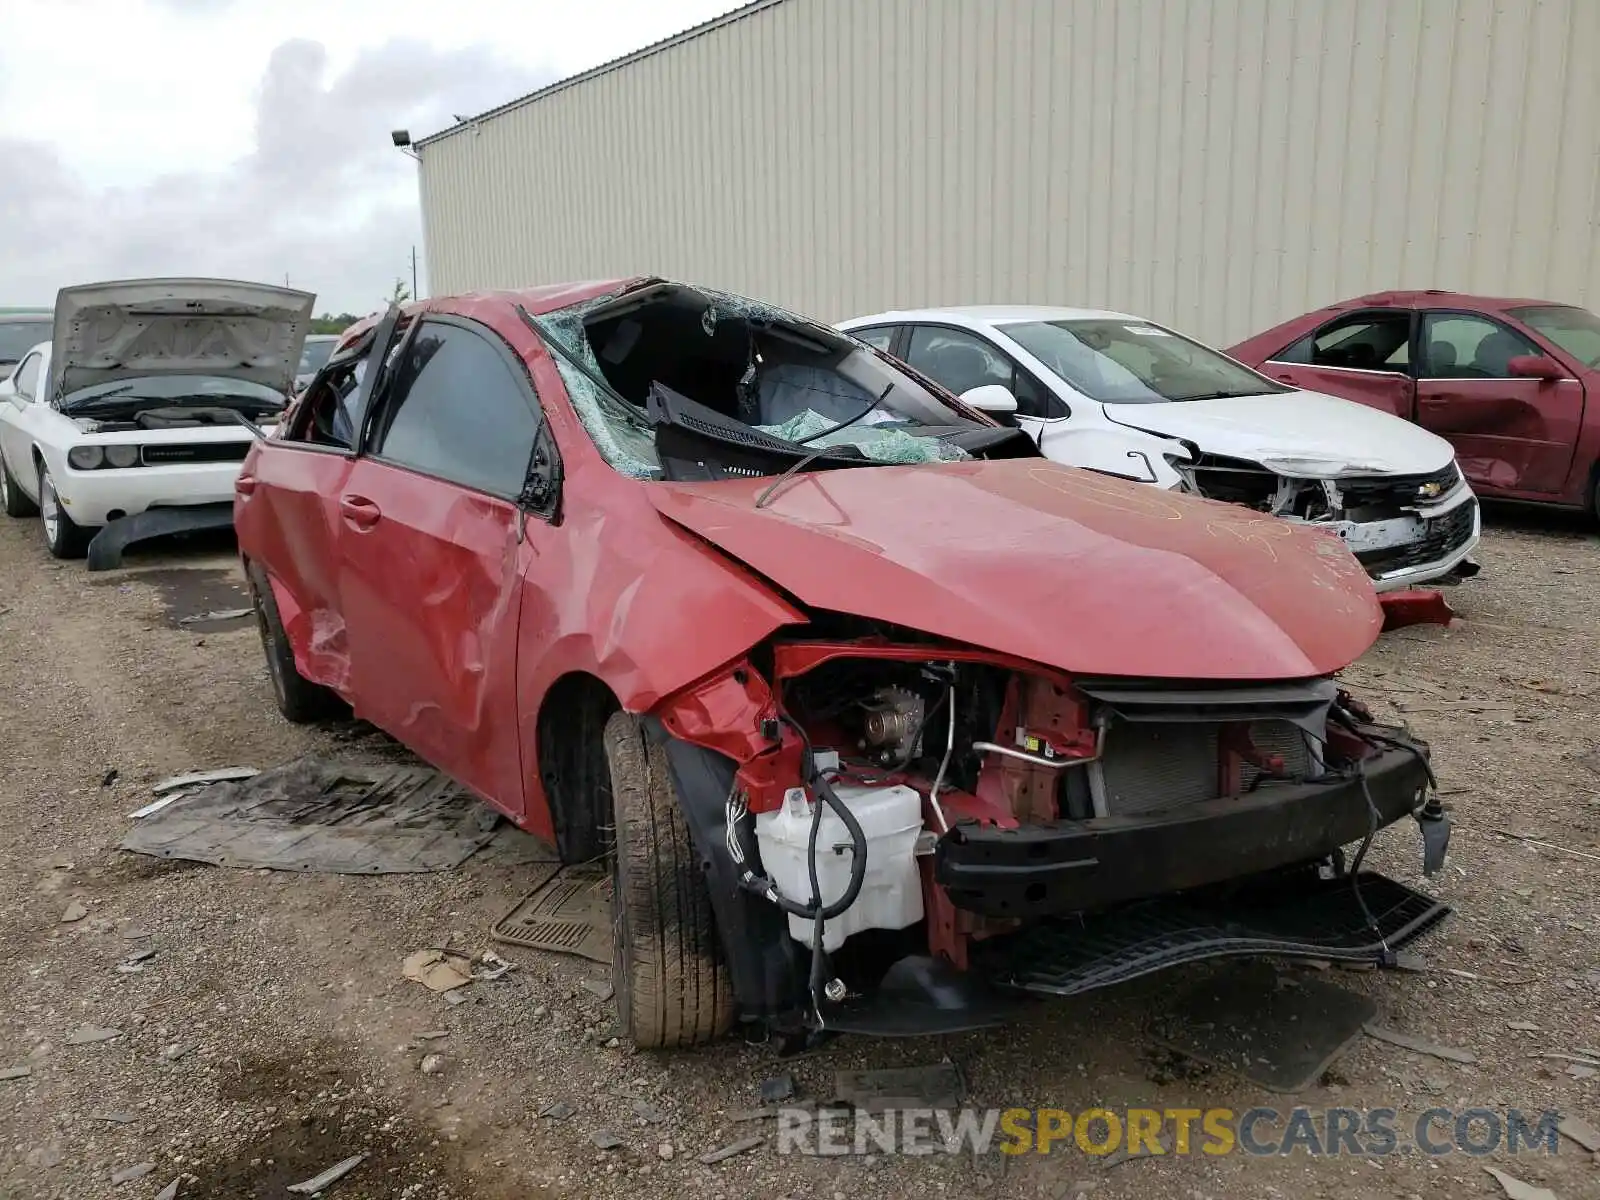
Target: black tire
[(299, 700), (667, 967), (12, 498), (63, 536)]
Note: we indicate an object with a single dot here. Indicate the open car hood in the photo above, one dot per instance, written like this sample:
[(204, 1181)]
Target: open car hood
[(1064, 567), (1295, 425), (221, 327)]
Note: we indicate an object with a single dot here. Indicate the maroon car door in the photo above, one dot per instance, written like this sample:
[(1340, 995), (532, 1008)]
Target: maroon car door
[(1362, 356), (433, 550), (1512, 435)]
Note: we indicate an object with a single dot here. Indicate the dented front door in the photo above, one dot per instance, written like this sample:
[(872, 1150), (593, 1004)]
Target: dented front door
[(432, 555)]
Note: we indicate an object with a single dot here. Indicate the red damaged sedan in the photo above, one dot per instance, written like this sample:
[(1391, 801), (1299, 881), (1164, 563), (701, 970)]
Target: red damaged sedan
[(880, 718), (1507, 382)]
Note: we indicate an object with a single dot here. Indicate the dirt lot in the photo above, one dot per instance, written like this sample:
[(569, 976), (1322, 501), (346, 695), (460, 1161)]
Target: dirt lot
[(272, 1035)]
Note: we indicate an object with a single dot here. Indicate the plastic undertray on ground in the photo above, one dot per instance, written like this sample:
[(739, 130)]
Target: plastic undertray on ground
[(1303, 917)]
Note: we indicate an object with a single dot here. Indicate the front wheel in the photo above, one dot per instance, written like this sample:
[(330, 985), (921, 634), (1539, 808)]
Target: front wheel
[(63, 536), (299, 700), (667, 965)]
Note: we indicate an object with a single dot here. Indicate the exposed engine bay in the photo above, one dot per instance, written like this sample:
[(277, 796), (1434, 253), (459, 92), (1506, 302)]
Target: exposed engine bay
[(905, 799)]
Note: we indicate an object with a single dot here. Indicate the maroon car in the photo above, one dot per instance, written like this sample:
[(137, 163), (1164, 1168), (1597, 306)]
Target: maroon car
[(1504, 381)]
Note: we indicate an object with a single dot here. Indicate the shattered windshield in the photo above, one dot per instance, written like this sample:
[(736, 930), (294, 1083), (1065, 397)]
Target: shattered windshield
[(1126, 361), (766, 368)]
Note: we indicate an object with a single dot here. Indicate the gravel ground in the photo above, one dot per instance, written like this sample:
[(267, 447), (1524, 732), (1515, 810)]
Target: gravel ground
[(271, 1034)]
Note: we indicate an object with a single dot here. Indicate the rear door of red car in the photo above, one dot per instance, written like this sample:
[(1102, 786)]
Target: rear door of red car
[(432, 552), (1511, 434), (1362, 356), (287, 508)]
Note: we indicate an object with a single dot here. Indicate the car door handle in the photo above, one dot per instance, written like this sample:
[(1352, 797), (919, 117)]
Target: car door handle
[(245, 485), (359, 511), (1285, 377)]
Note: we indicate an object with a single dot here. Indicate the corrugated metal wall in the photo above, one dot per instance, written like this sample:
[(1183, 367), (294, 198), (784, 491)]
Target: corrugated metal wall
[(1215, 164)]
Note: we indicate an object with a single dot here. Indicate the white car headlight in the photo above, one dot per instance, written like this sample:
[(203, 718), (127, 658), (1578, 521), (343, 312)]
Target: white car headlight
[(122, 456), (86, 458)]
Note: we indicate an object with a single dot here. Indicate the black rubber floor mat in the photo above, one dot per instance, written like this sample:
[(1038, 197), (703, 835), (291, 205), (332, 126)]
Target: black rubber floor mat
[(570, 913), (316, 815), (1277, 1032), (1306, 918)]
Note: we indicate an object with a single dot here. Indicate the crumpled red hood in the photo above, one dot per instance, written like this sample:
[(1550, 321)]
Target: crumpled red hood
[(1070, 569)]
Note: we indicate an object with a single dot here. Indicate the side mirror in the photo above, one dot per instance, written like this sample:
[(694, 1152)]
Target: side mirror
[(991, 398), (1535, 366)]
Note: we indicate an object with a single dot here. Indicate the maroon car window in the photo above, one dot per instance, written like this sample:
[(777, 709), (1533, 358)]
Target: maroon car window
[(1464, 346), (455, 411), (1365, 342)]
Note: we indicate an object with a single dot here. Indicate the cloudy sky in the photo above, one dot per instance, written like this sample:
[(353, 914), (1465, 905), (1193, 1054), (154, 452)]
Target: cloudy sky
[(250, 138)]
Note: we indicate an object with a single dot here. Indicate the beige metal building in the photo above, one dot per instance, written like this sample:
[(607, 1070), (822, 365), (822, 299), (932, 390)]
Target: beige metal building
[(1214, 164)]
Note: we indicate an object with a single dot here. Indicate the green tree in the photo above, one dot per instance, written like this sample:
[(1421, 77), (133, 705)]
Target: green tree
[(401, 292)]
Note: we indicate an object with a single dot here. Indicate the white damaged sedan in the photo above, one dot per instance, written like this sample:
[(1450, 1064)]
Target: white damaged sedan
[(133, 420), (1125, 396)]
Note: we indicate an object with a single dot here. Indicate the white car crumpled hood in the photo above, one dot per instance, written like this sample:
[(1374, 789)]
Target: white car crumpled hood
[(221, 327), (1295, 425)]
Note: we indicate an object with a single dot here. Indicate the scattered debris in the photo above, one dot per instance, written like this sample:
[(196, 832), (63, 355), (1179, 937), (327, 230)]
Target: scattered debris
[(139, 956), (179, 1050), (329, 1177), (154, 806), (558, 1110), (893, 1088), (454, 998), (435, 970), (1582, 1072), (109, 778), (129, 1174), (1515, 1189), (76, 911), (170, 1192), (665, 1151), (569, 912), (433, 1035), (742, 1146), (14, 1073), (1411, 962), (196, 778), (1406, 1042), (1118, 1157), (112, 1118), (494, 967), (1573, 1058), (648, 1112), (1522, 837), (83, 1035), (1580, 1131), (599, 989), (604, 1139), (1523, 1026), (432, 1064), (135, 933), (744, 1115), (221, 614), (777, 1089)]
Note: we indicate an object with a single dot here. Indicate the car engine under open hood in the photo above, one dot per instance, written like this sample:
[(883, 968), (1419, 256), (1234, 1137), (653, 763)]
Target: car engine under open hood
[(1061, 566), (219, 327)]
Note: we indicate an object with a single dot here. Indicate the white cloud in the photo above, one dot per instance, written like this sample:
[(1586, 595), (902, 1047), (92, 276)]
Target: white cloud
[(250, 139)]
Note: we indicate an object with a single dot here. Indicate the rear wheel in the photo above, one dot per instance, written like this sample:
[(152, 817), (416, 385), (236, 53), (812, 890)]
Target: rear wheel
[(63, 536), (667, 968), (12, 498), (299, 700)]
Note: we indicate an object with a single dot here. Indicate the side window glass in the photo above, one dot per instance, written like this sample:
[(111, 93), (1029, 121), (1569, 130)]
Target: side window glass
[(1459, 346), (27, 381), (960, 361), (1364, 342), (1034, 399), (455, 410), (881, 336)]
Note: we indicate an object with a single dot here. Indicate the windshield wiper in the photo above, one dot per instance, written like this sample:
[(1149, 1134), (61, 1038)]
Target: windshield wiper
[(761, 500)]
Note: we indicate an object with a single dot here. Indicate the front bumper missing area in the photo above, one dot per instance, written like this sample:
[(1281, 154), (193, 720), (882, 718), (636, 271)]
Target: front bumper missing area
[(1297, 916), (1083, 866), (105, 550)]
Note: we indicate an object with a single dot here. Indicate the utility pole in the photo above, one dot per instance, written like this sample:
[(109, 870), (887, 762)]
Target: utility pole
[(414, 295)]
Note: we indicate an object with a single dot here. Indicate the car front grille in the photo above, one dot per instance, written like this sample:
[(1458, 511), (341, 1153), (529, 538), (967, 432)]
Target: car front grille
[(1400, 490), (1152, 767), (194, 452), (1441, 537)]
